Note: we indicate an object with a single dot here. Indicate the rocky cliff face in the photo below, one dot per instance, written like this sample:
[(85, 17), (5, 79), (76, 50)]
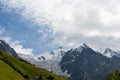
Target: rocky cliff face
[(84, 63), (6, 48)]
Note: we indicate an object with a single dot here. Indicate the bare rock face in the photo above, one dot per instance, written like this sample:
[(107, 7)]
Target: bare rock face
[(6, 48), (84, 63)]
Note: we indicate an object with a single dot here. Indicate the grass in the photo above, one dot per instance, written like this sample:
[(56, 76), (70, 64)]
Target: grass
[(7, 73), (12, 68)]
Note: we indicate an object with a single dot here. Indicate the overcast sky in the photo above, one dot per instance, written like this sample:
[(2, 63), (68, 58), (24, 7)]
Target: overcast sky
[(36, 26)]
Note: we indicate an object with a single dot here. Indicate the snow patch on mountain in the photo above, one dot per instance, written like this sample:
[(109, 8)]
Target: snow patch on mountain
[(51, 61), (110, 53), (55, 55), (28, 57)]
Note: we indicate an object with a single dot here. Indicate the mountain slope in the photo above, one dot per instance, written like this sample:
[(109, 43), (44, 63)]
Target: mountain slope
[(81, 63), (6, 48), (7, 73), (21, 70), (84, 63)]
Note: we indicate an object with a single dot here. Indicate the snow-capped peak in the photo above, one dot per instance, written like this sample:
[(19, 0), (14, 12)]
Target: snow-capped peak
[(80, 48), (56, 54), (84, 45), (108, 50), (110, 53)]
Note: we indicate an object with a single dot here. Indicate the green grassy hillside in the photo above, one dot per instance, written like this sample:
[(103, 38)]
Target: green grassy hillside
[(16, 69)]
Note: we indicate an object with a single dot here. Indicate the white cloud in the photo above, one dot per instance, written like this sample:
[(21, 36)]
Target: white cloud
[(73, 21), (17, 45), (14, 43), (20, 49)]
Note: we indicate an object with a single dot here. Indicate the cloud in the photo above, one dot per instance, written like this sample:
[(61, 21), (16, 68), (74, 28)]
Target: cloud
[(14, 43), (17, 45), (20, 49), (73, 22)]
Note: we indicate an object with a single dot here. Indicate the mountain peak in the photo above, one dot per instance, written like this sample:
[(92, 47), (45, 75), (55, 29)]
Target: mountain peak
[(59, 48), (110, 53), (6, 48), (2, 42), (108, 50), (84, 45)]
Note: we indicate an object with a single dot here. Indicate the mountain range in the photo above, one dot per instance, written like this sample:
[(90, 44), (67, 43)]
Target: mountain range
[(12, 67), (82, 63)]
